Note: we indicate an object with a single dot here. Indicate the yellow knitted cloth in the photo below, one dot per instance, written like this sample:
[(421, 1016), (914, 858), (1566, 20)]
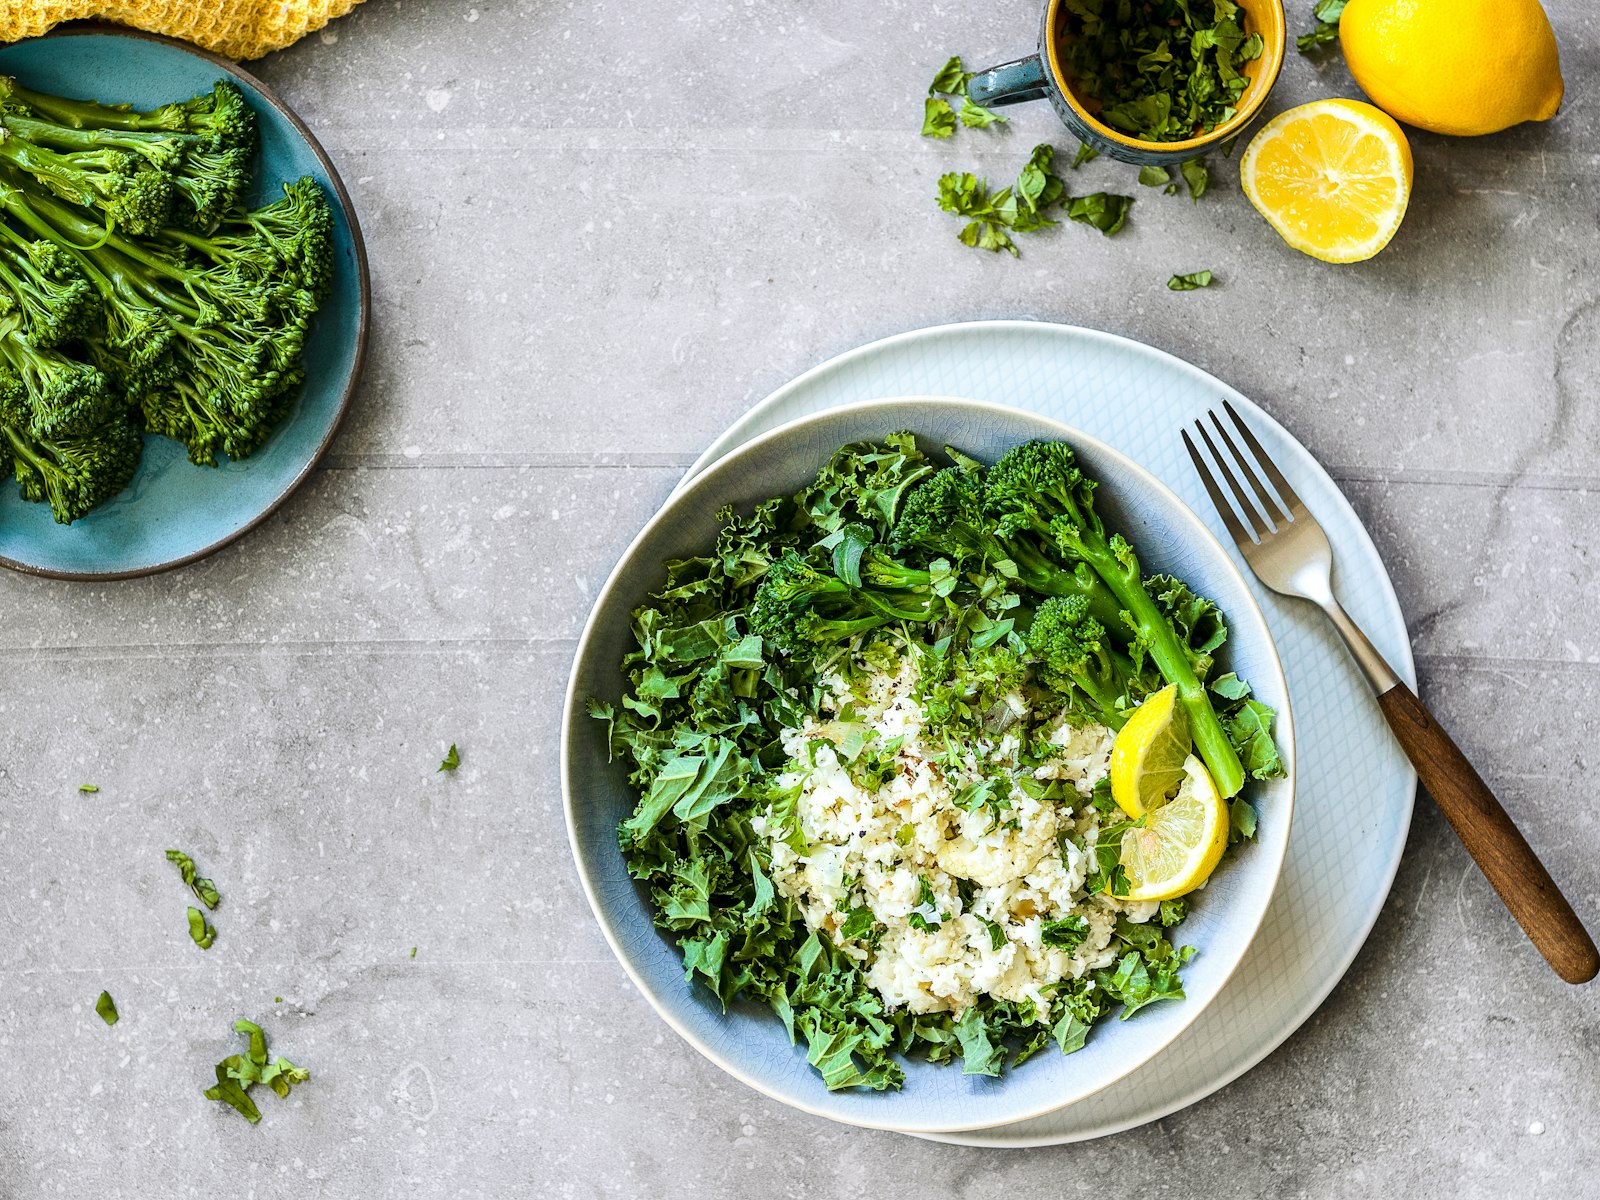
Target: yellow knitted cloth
[(235, 28)]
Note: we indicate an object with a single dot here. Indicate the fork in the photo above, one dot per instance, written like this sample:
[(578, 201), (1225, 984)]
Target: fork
[(1289, 552)]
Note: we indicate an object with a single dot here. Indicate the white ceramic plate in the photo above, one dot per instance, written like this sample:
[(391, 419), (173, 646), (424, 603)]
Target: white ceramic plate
[(1355, 788)]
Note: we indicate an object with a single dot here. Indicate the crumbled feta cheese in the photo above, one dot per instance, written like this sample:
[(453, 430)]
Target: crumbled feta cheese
[(880, 848)]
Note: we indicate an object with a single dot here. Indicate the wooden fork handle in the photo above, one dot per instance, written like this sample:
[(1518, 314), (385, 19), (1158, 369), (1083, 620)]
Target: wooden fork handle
[(1492, 838)]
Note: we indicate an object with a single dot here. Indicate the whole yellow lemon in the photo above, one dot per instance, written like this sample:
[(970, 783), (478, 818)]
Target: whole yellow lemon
[(1461, 67)]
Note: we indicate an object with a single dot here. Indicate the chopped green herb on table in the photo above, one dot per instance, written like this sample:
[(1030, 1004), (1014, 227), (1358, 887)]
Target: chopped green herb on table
[(1188, 283), (1327, 14), (1024, 206), (88, 787), (238, 1073), (452, 759), (107, 1008), (205, 891), (939, 118), (201, 931)]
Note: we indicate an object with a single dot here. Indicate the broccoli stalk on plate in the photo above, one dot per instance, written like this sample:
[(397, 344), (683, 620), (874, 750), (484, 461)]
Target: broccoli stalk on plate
[(945, 515), (136, 289), (1037, 487), (1075, 652), (801, 610), (185, 163)]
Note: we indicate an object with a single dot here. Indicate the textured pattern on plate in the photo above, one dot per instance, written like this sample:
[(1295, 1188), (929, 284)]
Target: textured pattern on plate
[(1355, 789)]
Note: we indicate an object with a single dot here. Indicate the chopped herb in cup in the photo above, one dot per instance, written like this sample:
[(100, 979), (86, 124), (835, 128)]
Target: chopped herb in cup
[(1158, 70)]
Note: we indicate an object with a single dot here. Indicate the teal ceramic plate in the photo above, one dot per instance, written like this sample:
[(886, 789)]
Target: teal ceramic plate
[(174, 512)]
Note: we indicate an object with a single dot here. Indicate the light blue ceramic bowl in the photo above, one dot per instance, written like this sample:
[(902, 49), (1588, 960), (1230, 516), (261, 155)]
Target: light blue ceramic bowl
[(748, 1041), (173, 512)]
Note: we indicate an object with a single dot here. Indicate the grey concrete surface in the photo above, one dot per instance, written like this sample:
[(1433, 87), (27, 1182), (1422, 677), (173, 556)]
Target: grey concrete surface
[(598, 233)]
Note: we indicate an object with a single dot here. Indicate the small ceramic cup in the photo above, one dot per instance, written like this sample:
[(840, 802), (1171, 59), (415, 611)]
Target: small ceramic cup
[(1043, 76)]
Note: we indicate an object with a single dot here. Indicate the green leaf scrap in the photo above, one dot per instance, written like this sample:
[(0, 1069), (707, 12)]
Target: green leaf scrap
[(205, 891), (1106, 211), (451, 760), (951, 79), (1326, 32), (938, 119), (976, 116), (1188, 283), (238, 1073), (201, 931), (107, 1008)]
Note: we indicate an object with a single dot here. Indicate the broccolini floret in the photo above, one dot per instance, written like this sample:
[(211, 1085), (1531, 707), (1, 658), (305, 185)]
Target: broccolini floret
[(801, 610), (946, 515), (1038, 488), (74, 467), (203, 334), (133, 166), (41, 284), (1075, 654)]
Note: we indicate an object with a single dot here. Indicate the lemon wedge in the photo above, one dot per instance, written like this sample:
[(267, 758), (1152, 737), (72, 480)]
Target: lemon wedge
[(1333, 177), (1180, 843), (1148, 755)]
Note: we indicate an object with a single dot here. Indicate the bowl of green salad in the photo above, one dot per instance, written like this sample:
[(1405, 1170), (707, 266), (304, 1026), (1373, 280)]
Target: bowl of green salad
[(928, 764)]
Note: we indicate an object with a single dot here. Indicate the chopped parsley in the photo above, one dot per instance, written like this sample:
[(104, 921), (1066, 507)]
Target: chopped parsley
[(1188, 283), (939, 118), (88, 787), (1066, 934), (204, 890), (201, 931), (926, 916), (1106, 211), (1162, 70), (997, 935), (1326, 32), (238, 1073), (107, 1008), (858, 924), (451, 761), (1025, 206)]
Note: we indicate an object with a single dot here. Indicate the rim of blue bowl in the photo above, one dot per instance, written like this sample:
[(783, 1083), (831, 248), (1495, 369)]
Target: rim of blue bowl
[(363, 314), (573, 716)]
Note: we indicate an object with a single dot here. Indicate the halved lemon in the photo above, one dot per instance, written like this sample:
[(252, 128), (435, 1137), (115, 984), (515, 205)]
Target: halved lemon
[(1180, 843), (1333, 177), (1147, 757)]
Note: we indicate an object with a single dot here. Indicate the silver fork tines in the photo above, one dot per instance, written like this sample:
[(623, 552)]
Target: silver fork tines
[(1274, 530)]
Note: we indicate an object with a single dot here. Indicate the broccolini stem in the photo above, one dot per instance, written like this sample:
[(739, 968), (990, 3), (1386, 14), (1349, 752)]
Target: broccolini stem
[(81, 114), (1210, 738)]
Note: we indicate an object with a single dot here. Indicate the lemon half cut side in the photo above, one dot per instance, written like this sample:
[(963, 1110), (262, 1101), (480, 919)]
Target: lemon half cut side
[(1333, 177)]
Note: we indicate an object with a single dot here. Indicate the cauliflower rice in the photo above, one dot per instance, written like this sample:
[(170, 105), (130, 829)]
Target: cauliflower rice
[(888, 848)]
